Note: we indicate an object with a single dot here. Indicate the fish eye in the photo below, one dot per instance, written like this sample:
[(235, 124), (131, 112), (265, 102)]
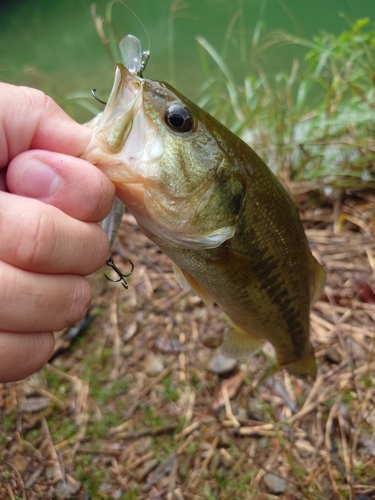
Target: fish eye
[(178, 118)]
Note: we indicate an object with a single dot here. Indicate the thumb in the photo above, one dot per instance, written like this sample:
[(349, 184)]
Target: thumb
[(29, 119)]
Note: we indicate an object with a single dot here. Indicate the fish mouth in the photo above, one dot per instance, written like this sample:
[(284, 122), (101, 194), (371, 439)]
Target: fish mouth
[(117, 118)]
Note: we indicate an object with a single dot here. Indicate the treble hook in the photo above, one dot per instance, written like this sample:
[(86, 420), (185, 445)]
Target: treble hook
[(121, 276), (93, 92)]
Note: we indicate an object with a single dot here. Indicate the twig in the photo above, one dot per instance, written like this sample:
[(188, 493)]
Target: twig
[(328, 442), (152, 431), (59, 468), (115, 336), (203, 469), (182, 359), (228, 408), (34, 476), (346, 454), (10, 491), (257, 430)]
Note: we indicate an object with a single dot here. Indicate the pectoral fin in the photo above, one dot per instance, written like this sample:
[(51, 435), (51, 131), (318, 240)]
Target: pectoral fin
[(182, 281), (240, 344), (241, 265), (186, 281)]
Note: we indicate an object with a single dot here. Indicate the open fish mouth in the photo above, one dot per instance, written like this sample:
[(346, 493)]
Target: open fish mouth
[(120, 146), (116, 120)]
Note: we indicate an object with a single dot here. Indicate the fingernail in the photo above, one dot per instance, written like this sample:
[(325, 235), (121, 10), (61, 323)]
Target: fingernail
[(38, 180)]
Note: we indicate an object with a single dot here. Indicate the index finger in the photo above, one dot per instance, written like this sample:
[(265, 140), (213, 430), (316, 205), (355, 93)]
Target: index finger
[(29, 119)]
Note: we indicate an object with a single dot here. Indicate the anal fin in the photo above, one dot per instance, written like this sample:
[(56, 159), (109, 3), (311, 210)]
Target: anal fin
[(240, 344)]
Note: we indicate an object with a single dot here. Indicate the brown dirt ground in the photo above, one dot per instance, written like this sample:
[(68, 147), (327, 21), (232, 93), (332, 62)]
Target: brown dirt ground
[(131, 409)]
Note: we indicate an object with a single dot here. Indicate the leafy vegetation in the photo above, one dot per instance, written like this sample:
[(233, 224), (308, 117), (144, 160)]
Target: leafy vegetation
[(315, 122)]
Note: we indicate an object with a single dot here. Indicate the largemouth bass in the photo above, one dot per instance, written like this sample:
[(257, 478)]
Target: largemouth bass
[(213, 206)]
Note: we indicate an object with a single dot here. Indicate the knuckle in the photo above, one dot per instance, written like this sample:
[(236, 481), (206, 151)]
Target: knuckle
[(38, 100), (95, 248), (99, 200), (7, 290), (80, 297), (100, 250), (35, 241), (95, 205)]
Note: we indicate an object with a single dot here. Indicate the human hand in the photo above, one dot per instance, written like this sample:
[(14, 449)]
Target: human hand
[(49, 236)]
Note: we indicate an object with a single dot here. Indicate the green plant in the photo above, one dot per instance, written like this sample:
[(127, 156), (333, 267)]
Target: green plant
[(315, 122)]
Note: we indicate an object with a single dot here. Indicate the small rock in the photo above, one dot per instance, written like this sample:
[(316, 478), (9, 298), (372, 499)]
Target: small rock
[(221, 365), (241, 413), (163, 469), (66, 490), (105, 488), (20, 462), (366, 448), (154, 364), (144, 444), (130, 331), (127, 350), (34, 404), (255, 410), (332, 355), (225, 439), (275, 484), (215, 462), (116, 495), (145, 469), (365, 496), (169, 345), (50, 472)]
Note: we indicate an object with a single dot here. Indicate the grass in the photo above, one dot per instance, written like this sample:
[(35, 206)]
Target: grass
[(314, 122)]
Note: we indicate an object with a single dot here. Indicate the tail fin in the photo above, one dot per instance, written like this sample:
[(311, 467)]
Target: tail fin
[(304, 367)]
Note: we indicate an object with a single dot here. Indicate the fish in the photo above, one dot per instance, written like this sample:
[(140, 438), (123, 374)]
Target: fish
[(217, 211)]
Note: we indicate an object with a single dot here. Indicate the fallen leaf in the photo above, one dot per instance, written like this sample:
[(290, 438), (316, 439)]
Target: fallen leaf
[(232, 385)]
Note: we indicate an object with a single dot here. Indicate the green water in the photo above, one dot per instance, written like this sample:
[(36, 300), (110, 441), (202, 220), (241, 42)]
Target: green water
[(53, 45)]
